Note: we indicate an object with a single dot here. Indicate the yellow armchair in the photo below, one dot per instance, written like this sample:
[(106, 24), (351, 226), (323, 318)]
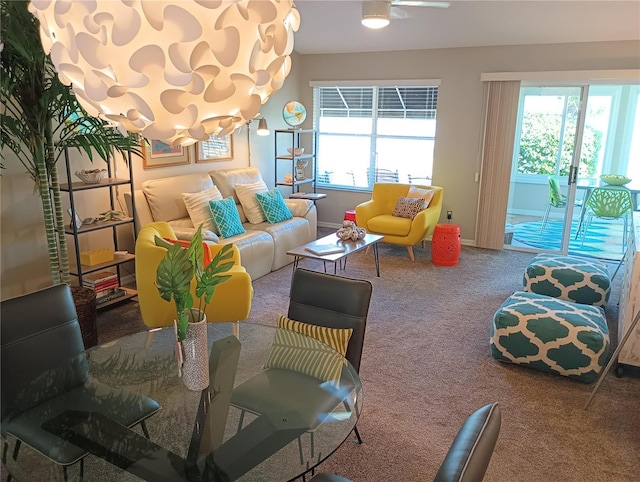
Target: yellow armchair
[(376, 215), (231, 300)]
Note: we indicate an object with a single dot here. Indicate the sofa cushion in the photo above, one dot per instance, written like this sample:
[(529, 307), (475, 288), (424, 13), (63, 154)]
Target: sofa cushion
[(197, 204), (226, 218), (226, 179), (273, 206), (246, 193), (407, 207), (164, 196)]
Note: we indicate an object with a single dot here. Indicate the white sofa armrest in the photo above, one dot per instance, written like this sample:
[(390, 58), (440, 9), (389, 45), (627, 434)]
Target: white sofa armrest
[(299, 207)]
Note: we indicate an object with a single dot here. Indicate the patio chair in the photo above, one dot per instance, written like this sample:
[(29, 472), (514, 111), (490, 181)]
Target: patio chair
[(419, 180), (610, 203), (384, 175), (556, 199)]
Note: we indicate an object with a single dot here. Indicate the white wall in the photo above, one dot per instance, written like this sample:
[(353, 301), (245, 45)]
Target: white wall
[(24, 261), (460, 103)]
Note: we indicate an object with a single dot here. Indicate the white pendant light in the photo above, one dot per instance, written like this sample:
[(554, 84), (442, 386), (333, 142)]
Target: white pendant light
[(172, 71), (263, 130), (375, 14)]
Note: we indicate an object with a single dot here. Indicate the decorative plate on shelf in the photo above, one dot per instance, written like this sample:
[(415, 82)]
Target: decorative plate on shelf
[(294, 113)]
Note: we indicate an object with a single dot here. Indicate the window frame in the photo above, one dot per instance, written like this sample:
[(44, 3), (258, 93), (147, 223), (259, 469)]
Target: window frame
[(373, 136)]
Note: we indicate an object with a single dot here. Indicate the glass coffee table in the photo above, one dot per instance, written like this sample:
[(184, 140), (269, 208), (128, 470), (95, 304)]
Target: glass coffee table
[(315, 249)]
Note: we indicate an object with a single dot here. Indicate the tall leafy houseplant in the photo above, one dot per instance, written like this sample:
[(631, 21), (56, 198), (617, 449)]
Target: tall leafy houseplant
[(180, 266), (41, 117)]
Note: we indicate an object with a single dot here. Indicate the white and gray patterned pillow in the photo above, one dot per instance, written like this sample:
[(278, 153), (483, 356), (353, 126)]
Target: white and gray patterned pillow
[(408, 207), (197, 204)]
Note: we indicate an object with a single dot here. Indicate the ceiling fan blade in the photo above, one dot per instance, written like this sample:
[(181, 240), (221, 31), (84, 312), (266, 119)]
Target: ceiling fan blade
[(417, 3)]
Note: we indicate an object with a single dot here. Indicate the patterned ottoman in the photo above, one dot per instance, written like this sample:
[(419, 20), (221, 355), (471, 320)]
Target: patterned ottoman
[(580, 280), (551, 335)]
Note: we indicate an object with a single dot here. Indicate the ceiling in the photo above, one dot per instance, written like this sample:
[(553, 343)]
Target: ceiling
[(334, 26)]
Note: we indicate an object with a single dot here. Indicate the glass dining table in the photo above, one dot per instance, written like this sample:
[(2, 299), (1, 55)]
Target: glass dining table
[(203, 435)]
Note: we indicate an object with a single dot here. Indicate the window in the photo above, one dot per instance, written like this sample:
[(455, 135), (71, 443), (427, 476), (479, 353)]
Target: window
[(386, 130), (546, 131)]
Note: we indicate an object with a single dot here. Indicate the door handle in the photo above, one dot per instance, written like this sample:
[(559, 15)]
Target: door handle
[(573, 175)]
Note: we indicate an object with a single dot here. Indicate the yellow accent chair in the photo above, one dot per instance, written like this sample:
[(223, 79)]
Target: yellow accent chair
[(376, 215), (231, 300)]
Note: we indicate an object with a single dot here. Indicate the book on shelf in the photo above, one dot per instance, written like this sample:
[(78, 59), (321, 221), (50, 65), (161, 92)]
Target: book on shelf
[(114, 283), (107, 292), (119, 293), (92, 279), (322, 249)]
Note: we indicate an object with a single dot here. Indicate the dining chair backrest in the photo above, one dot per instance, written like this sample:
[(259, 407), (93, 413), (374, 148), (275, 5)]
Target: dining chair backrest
[(556, 198), (610, 202), (39, 332), (470, 453), (332, 301)]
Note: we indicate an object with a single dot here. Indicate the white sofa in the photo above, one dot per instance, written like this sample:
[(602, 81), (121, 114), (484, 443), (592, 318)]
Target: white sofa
[(262, 247)]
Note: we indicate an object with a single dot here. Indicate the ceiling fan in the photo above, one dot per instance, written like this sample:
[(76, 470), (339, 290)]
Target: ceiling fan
[(376, 13)]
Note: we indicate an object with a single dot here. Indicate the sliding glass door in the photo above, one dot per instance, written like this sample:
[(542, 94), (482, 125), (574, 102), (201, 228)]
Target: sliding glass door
[(540, 199), (560, 152)]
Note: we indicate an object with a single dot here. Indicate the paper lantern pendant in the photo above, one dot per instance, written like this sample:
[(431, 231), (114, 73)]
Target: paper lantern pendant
[(172, 71)]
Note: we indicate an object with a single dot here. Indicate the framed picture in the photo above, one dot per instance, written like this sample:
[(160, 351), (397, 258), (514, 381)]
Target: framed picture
[(215, 149), (160, 154)]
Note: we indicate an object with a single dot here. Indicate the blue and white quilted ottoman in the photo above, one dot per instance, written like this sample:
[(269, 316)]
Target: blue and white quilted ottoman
[(570, 278), (551, 335)]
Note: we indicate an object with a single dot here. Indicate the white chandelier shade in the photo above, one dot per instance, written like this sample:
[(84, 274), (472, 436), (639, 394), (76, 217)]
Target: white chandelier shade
[(171, 71)]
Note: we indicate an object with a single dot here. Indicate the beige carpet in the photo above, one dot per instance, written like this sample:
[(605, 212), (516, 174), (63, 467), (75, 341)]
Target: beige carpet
[(427, 365)]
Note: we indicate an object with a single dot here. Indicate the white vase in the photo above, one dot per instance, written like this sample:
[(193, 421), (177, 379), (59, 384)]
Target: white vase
[(195, 369)]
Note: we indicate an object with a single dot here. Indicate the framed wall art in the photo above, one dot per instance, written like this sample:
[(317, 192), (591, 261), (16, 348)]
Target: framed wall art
[(160, 154), (215, 149)]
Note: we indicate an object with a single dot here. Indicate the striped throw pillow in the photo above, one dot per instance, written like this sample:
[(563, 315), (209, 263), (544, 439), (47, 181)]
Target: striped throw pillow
[(291, 351)]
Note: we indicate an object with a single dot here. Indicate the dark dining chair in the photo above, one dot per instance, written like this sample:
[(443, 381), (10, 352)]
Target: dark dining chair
[(317, 299), (470, 453), (45, 374)]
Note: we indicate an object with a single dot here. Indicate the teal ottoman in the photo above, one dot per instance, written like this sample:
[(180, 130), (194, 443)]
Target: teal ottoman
[(570, 278), (551, 335)]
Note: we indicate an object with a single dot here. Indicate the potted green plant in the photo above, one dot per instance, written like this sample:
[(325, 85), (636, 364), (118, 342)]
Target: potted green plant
[(178, 268), (41, 118)]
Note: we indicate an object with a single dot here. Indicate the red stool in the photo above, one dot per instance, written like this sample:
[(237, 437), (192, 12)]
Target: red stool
[(446, 245), (350, 215)]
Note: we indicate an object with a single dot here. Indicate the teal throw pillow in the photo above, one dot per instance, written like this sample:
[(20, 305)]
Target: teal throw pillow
[(273, 206), (226, 218)]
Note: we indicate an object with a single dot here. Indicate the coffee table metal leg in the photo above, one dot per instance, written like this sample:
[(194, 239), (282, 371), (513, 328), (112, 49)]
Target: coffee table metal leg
[(296, 260), (343, 263), (375, 256)]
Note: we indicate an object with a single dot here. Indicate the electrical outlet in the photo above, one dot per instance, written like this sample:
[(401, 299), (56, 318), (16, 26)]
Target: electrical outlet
[(449, 214)]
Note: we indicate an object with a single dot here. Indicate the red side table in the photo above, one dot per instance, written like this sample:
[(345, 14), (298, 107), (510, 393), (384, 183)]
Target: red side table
[(446, 245), (350, 215)]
